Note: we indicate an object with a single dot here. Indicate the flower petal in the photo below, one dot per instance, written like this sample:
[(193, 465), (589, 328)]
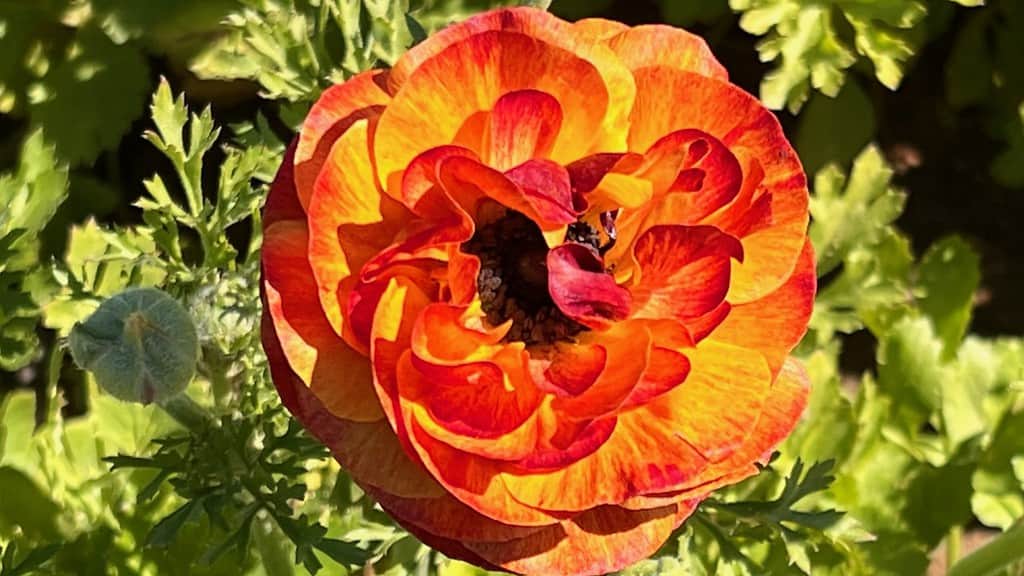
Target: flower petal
[(523, 125), (774, 324), (658, 45), (475, 481), (449, 80), (337, 375), (582, 290), (715, 409), (782, 410), (546, 187), (350, 221), (599, 541), (641, 455), (337, 109), (598, 29), (747, 129), (683, 271), (369, 451)]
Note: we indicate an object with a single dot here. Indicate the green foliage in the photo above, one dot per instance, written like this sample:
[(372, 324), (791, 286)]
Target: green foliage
[(815, 43), (29, 197), (985, 71)]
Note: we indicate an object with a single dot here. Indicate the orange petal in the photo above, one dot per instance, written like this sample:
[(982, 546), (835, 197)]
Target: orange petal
[(421, 186), (582, 290), (715, 409), (446, 518), (571, 368), (463, 270), (782, 410), (452, 335), (523, 125), (690, 175), (474, 480), (665, 370), (746, 128), (369, 451), (599, 541), (338, 108), (626, 349), (641, 455), (447, 81), (282, 201), (394, 317), (683, 271), (598, 29), (339, 376), (349, 220), (774, 324), (486, 409), (658, 45), (571, 441)]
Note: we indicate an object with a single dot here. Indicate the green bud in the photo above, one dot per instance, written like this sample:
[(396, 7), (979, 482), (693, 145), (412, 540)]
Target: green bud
[(141, 346)]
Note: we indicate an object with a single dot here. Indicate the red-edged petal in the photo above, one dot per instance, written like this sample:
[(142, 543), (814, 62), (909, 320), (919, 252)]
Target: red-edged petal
[(665, 370), (641, 455), (570, 369), (350, 221), (475, 481), (774, 324), (749, 130), (454, 78), (571, 442), (370, 452), (582, 290), (546, 187), (599, 541), (339, 376), (523, 125), (683, 271), (337, 109)]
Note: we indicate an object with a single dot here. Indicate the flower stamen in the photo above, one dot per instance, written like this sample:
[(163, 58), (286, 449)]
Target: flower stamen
[(513, 279)]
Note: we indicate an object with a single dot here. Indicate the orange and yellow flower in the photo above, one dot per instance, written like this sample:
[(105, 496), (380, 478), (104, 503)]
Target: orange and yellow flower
[(536, 286)]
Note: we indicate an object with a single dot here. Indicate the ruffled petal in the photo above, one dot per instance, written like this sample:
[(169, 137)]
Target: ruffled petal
[(658, 45), (682, 272), (350, 221), (747, 129), (337, 109), (523, 125), (452, 78), (641, 455), (599, 541), (337, 375), (475, 481), (774, 324), (546, 186), (582, 290), (369, 451), (715, 409)]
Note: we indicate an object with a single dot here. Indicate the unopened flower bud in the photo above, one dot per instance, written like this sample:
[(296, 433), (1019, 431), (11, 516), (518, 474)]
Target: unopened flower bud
[(140, 345)]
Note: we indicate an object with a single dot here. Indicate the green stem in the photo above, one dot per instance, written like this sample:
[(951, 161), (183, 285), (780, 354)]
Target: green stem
[(1006, 549), (187, 412), (954, 540), (53, 366)]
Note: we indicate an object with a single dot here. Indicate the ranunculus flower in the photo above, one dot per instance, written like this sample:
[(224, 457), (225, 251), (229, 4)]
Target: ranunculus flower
[(535, 286)]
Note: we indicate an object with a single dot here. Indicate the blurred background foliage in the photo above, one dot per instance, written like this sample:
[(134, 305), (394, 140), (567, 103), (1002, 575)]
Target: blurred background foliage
[(907, 114)]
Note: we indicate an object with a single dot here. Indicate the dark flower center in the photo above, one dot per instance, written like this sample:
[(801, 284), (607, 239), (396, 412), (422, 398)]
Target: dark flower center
[(513, 279)]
